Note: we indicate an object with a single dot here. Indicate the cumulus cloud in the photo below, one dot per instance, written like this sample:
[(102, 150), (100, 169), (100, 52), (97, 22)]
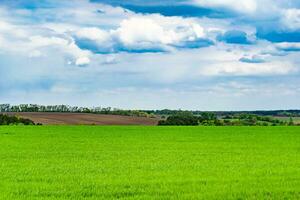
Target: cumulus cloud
[(65, 45), (165, 30), (235, 37), (155, 30), (95, 40), (93, 34), (20, 39), (145, 34)]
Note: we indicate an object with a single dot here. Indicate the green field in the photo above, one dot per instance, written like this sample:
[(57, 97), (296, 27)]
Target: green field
[(90, 162)]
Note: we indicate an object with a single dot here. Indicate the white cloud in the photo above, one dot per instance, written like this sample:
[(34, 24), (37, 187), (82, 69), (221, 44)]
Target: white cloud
[(249, 69), (41, 41), (93, 34), (65, 45), (158, 29), (242, 6), (253, 10), (131, 31), (288, 46), (82, 61), (139, 30), (291, 18), (33, 42), (144, 32)]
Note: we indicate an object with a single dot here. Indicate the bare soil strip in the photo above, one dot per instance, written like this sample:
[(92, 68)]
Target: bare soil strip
[(85, 119)]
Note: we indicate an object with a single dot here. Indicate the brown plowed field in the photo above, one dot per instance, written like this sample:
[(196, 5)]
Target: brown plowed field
[(85, 119)]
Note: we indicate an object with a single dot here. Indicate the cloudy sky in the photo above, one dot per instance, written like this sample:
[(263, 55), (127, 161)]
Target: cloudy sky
[(188, 54)]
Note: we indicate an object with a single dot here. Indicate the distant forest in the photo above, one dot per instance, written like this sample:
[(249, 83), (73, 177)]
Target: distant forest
[(140, 113)]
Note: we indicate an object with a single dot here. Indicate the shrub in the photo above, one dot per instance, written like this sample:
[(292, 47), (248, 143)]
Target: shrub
[(14, 120)]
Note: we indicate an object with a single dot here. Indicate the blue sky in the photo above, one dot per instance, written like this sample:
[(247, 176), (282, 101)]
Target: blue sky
[(188, 54)]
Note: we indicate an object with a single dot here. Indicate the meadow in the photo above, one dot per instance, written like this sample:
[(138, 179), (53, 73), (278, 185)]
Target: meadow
[(132, 162)]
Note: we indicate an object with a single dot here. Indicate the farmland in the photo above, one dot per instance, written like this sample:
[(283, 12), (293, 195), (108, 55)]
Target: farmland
[(48, 118), (90, 162)]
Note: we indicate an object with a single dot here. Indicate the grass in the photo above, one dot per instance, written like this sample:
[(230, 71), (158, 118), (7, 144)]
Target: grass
[(89, 162)]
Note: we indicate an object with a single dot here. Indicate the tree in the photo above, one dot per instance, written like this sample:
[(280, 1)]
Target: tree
[(14, 120), (180, 119)]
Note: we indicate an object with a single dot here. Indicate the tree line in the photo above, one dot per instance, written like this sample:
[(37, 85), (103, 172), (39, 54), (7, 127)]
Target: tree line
[(72, 109), (279, 113), (142, 113), (210, 119)]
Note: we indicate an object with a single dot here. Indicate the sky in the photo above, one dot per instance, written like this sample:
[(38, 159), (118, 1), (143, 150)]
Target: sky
[(138, 54)]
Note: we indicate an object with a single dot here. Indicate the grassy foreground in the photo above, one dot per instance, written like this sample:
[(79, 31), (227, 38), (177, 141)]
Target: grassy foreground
[(89, 162)]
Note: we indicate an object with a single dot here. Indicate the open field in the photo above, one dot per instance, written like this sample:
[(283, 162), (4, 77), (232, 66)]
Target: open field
[(90, 162), (84, 119)]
